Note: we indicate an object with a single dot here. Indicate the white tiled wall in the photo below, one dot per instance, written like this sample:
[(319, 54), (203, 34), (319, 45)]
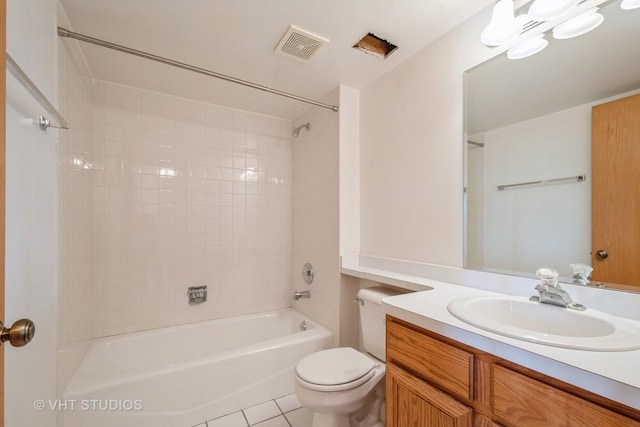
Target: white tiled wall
[(76, 291), (183, 193)]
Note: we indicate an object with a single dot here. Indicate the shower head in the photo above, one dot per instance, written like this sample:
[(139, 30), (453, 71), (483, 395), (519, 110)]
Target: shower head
[(296, 131)]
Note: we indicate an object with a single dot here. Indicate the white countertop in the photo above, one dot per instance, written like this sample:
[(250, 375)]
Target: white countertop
[(614, 375)]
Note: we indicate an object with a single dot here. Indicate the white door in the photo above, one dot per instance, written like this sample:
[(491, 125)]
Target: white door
[(31, 221)]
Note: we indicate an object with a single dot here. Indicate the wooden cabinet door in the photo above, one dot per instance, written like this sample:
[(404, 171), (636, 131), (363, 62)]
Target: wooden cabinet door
[(521, 401), (412, 402), (615, 191)]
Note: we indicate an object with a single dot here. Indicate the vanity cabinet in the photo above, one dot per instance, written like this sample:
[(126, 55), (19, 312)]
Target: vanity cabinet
[(435, 381)]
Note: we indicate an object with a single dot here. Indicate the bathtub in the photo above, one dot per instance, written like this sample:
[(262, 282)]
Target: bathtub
[(182, 376)]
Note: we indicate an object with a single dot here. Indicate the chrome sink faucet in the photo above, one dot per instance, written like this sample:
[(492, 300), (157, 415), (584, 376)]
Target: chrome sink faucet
[(550, 292)]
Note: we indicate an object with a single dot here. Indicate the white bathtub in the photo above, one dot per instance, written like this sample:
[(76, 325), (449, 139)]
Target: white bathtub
[(184, 375)]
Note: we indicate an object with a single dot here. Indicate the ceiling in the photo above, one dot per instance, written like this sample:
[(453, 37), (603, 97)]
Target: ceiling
[(238, 37)]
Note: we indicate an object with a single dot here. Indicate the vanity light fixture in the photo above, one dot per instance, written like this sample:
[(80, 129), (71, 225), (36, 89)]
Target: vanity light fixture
[(571, 18), (578, 25), (503, 26), (528, 47), (630, 4), (547, 10)]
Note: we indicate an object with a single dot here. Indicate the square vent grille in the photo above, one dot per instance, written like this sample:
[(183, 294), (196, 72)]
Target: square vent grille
[(299, 44)]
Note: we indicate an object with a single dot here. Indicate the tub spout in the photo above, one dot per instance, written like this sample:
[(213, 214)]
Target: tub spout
[(301, 294)]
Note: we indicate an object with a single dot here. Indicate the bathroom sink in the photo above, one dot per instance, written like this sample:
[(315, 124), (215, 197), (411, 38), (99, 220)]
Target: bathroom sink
[(517, 317)]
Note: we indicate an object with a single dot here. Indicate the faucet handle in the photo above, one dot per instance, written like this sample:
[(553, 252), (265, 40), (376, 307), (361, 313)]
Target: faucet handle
[(541, 288), (582, 269), (548, 276)]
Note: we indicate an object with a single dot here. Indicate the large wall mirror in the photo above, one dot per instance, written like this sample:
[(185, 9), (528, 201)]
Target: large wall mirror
[(532, 121)]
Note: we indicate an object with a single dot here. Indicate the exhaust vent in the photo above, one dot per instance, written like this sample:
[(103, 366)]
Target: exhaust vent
[(299, 44)]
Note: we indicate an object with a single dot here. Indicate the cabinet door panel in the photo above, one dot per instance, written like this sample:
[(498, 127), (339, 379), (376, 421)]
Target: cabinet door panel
[(484, 421), (525, 402), (412, 402)]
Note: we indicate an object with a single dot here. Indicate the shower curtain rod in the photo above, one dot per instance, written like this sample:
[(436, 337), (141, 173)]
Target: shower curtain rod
[(63, 32)]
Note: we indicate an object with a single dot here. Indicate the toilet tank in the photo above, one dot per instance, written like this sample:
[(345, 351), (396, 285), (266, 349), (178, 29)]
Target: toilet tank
[(372, 319)]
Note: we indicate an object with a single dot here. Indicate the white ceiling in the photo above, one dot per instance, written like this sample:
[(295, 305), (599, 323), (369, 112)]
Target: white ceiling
[(237, 38)]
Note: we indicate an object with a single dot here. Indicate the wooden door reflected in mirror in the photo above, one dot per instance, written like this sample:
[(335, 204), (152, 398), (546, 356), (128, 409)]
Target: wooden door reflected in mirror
[(615, 192)]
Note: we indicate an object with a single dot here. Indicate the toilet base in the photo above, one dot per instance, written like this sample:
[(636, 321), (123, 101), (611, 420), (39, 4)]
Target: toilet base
[(371, 414), (323, 419), (343, 420)]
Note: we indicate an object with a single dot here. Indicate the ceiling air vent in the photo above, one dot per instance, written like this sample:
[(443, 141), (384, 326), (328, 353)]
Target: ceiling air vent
[(299, 44)]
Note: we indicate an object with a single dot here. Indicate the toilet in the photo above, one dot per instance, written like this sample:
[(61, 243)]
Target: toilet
[(344, 387)]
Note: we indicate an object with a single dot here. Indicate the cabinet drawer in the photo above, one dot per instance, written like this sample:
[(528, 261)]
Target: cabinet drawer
[(523, 401), (441, 364)]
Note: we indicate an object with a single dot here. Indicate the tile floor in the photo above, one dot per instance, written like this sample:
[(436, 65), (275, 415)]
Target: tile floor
[(282, 412)]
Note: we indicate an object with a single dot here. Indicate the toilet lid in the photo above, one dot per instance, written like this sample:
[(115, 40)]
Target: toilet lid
[(334, 366)]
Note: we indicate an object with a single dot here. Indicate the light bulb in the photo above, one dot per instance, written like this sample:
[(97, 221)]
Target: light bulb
[(578, 25), (547, 10), (503, 26), (528, 47), (630, 4)]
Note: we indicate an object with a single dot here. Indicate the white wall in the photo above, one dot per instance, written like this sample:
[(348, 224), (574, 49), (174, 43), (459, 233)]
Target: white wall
[(349, 196), (31, 240), (533, 226), (412, 151), (349, 170), (474, 206)]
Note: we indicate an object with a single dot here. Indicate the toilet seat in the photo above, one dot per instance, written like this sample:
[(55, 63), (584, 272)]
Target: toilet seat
[(335, 369), (337, 387)]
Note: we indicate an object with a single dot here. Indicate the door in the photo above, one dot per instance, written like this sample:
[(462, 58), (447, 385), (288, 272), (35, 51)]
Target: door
[(615, 199), (3, 33), (29, 217)]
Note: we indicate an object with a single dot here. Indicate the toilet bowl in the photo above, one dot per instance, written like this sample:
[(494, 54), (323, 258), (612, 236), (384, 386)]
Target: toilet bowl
[(344, 387)]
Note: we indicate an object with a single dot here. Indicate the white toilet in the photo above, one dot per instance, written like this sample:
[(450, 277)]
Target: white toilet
[(344, 387)]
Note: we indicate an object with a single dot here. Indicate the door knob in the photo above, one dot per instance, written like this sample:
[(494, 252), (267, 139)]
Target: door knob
[(19, 334), (602, 254)]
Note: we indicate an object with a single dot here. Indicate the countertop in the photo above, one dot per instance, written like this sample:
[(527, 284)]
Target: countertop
[(614, 375)]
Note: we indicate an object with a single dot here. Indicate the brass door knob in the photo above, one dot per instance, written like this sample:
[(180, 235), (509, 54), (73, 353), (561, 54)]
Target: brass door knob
[(19, 334), (602, 254)]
